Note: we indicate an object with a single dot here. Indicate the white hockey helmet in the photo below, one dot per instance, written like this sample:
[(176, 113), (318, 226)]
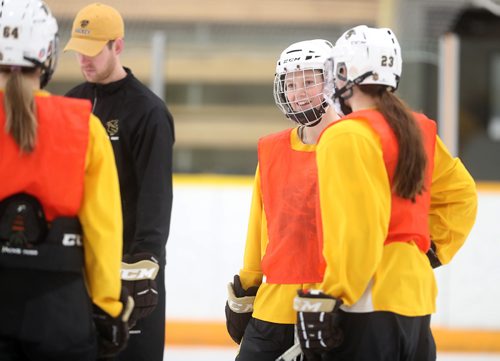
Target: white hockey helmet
[(29, 36), (365, 55), (295, 60)]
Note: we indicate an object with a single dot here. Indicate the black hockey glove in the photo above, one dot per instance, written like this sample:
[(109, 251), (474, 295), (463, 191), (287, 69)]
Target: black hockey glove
[(317, 323), (138, 276), (112, 333), (239, 308), (432, 255)]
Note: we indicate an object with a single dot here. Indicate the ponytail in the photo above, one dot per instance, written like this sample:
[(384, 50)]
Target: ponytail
[(409, 175), (21, 122)]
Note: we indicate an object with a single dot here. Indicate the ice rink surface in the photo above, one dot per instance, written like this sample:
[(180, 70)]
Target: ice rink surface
[(228, 354)]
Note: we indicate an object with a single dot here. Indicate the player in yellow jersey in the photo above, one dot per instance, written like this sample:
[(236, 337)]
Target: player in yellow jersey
[(60, 210), (282, 252), (388, 187)]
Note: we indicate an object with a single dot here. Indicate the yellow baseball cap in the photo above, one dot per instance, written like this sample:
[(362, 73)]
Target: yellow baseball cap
[(94, 26)]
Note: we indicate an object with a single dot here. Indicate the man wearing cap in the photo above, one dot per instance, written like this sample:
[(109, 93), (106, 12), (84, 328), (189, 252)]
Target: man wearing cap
[(141, 131)]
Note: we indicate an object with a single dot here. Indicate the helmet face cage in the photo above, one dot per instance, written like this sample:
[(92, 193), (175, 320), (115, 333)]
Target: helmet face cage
[(29, 36), (299, 95), (367, 56), (299, 83)]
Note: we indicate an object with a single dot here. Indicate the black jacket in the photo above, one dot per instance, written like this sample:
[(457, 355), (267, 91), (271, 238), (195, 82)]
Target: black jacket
[(141, 130)]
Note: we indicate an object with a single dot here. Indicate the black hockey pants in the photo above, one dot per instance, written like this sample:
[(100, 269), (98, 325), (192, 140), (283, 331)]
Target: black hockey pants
[(384, 336), (45, 316), (374, 336), (265, 341)]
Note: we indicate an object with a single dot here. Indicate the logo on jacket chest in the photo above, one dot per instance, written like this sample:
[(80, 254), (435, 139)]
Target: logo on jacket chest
[(112, 128)]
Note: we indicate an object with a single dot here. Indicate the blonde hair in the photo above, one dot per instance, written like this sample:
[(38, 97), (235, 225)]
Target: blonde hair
[(21, 122)]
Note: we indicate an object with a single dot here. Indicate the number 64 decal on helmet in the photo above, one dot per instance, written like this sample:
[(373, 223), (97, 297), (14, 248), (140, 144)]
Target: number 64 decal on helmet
[(28, 36)]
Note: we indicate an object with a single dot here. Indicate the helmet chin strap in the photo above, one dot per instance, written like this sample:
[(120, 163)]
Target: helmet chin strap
[(46, 72), (350, 84), (341, 108), (344, 93)]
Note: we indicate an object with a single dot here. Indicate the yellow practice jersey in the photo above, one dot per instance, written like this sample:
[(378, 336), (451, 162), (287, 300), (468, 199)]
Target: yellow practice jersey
[(355, 202), (101, 218)]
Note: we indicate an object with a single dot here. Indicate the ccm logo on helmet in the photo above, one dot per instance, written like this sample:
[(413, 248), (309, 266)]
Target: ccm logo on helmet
[(290, 60), (72, 240)]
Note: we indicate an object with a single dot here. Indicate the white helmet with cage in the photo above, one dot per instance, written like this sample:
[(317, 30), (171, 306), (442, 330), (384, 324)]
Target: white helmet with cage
[(299, 82), (29, 36), (365, 55)]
